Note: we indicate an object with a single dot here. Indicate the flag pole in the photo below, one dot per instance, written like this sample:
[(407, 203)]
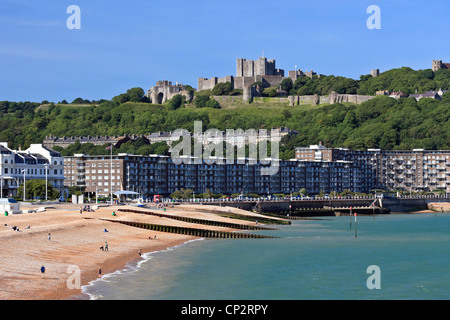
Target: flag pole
[(355, 226), (350, 215)]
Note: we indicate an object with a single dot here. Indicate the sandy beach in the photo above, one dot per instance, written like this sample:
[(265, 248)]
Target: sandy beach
[(439, 206), (74, 242)]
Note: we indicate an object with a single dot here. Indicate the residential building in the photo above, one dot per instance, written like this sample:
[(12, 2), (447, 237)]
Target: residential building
[(429, 94), (408, 170), (37, 162), (157, 174)]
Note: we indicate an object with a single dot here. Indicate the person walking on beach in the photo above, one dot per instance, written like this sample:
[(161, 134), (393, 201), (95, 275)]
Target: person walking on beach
[(106, 246), (42, 271), (49, 237), (100, 271), (140, 252)]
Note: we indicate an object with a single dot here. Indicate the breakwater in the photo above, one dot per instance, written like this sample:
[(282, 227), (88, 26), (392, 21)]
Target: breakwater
[(196, 232), (200, 221)]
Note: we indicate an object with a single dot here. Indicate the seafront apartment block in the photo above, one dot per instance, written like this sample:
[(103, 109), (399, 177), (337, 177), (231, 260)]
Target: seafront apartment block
[(157, 174), (416, 170), (315, 168)]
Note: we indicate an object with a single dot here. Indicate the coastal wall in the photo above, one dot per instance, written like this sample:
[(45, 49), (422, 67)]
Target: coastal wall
[(392, 204)]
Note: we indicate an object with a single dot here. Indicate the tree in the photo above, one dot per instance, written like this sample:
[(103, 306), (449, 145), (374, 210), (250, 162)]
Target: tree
[(182, 194), (121, 98), (200, 101), (80, 101), (286, 84), (36, 189), (176, 102), (135, 94)]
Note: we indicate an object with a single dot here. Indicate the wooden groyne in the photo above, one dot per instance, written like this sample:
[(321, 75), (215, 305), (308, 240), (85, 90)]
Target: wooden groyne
[(202, 233), (268, 219), (200, 221)]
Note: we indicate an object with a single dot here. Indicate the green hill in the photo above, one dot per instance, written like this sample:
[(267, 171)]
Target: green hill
[(382, 122)]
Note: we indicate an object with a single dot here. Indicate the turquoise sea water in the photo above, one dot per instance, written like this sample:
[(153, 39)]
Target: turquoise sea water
[(318, 259)]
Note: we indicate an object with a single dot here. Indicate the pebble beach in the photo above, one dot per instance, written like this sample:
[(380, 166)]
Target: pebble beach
[(69, 245)]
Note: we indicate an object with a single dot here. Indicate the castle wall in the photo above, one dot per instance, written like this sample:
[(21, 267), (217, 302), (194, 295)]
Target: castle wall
[(206, 84), (331, 98), (240, 82)]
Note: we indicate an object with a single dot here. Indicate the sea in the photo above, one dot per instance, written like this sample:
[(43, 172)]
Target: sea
[(387, 257)]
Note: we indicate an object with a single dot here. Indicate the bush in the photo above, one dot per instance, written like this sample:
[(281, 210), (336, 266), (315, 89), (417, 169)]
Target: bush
[(222, 89), (176, 102), (206, 102)]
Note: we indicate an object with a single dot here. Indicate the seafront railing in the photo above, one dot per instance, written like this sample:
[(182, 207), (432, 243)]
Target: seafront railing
[(298, 198)]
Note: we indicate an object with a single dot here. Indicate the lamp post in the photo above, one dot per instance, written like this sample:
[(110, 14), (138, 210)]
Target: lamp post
[(110, 172), (46, 168), (23, 171)]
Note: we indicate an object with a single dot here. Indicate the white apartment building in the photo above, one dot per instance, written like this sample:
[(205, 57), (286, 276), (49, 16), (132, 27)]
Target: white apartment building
[(37, 162)]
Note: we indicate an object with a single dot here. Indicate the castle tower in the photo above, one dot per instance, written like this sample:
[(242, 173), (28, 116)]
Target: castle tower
[(247, 94), (375, 72), (436, 65)]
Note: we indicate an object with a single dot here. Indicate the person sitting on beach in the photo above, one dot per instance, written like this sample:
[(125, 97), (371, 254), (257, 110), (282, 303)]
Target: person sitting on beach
[(42, 271)]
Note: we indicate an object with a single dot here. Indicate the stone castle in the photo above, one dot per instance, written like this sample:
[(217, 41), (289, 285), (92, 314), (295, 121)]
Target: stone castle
[(438, 64), (250, 71), (164, 90)]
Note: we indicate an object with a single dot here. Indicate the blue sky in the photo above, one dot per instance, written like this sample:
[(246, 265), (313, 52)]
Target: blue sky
[(136, 43)]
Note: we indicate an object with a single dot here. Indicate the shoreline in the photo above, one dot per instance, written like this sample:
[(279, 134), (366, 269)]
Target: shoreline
[(130, 266), (75, 241)]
